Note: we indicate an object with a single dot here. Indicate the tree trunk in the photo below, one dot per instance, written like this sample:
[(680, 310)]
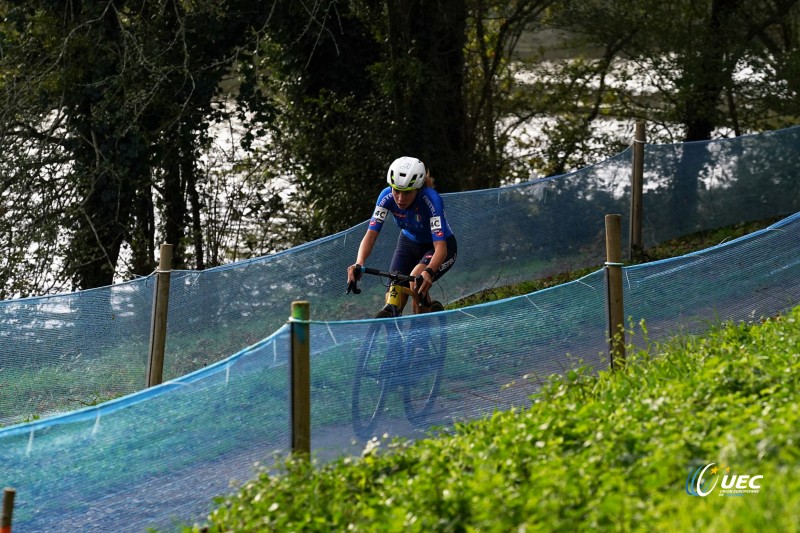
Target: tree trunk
[(706, 80), (190, 173), (103, 151), (427, 42), (143, 234), (174, 211)]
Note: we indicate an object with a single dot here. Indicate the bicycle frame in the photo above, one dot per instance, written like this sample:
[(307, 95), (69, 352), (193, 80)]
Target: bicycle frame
[(394, 296)]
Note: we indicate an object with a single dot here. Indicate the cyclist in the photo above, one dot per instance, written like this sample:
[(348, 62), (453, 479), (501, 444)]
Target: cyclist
[(426, 245)]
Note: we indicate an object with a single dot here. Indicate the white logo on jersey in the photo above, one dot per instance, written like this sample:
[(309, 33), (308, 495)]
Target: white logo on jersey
[(436, 223), (380, 213)]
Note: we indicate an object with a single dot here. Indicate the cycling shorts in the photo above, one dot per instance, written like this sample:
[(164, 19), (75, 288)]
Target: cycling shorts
[(409, 254)]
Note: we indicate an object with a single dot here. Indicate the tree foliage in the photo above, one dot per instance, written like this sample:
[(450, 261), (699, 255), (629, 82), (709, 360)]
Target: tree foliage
[(113, 111), (118, 97), (364, 83), (359, 84), (693, 70)]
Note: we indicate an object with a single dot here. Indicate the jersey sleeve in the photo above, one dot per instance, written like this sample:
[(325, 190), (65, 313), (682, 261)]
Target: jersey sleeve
[(438, 223), (381, 210)]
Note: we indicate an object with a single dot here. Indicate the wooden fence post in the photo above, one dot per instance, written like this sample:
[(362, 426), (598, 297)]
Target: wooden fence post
[(8, 510), (300, 378), (614, 306), (635, 245), (158, 323)]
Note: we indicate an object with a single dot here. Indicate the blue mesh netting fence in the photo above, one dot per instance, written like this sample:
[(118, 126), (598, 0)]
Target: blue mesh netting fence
[(158, 456)]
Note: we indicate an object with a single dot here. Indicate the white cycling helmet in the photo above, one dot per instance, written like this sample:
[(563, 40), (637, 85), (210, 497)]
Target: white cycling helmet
[(406, 174)]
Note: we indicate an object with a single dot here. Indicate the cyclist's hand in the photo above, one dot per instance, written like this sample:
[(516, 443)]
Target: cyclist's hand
[(353, 275), (424, 282)]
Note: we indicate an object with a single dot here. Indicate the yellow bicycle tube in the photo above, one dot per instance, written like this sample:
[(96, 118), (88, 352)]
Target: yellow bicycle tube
[(394, 295)]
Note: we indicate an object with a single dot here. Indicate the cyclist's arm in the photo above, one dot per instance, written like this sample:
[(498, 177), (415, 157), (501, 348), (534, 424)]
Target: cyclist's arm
[(366, 246), (364, 250), (439, 255)]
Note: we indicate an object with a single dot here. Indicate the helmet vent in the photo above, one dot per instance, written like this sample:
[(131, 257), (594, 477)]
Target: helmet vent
[(406, 173)]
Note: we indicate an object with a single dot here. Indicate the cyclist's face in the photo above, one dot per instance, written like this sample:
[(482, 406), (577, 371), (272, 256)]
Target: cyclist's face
[(404, 199)]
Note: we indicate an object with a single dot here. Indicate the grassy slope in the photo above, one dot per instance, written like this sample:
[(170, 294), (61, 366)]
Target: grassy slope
[(607, 451)]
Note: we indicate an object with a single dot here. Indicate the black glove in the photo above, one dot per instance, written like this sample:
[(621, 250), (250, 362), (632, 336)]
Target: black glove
[(352, 286), (357, 271)]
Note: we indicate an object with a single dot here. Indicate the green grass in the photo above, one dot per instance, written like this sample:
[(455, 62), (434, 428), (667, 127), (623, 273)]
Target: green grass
[(593, 452)]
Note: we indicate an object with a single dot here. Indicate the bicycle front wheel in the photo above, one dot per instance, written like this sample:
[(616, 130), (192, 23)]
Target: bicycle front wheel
[(370, 386), (425, 354)]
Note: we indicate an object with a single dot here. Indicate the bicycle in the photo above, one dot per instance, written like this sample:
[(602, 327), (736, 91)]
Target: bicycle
[(408, 355)]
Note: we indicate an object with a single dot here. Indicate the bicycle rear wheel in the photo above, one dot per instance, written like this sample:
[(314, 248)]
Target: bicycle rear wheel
[(372, 376), (425, 354)]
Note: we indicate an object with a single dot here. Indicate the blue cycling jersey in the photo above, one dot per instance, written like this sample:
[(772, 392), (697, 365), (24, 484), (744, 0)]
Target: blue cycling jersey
[(423, 221)]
